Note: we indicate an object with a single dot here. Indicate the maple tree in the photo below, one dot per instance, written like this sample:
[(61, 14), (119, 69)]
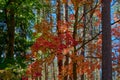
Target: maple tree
[(63, 45)]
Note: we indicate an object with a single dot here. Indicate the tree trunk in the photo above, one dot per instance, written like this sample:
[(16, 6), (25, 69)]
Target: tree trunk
[(46, 71), (84, 29), (67, 55), (58, 24), (106, 41), (11, 29), (74, 37), (53, 73)]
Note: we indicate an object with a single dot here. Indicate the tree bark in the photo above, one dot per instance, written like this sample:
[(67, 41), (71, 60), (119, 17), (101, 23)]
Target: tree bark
[(58, 24), (74, 37), (10, 20), (67, 55), (106, 41)]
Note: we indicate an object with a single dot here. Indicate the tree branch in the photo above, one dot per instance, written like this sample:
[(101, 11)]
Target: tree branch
[(93, 57), (89, 40), (95, 36), (115, 22), (89, 11)]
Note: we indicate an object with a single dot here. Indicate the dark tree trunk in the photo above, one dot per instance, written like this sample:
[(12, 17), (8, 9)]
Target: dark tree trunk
[(58, 24), (106, 41), (11, 29), (67, 55), (74, 37), (66, 11)]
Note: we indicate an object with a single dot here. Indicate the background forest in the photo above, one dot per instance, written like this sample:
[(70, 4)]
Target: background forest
[(59, 39)]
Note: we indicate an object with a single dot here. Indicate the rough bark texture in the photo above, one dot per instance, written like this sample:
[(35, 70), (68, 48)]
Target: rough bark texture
[(106, 41)]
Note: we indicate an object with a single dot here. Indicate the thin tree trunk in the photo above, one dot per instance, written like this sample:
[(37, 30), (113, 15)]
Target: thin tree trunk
[(106, 41), (53, 68), (46, 72), (84, 29), (74, 37), (67, 55), (58, 24)]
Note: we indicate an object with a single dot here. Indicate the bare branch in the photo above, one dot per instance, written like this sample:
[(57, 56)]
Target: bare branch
[(115, 22), (89, 40), (95, 36), (93, 57), (89, 11)]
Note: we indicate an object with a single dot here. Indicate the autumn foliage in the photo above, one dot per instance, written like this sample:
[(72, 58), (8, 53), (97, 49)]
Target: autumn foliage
[(61, 43)]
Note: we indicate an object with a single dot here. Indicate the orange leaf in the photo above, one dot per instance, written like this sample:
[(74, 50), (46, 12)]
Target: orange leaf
[(64, 1)]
